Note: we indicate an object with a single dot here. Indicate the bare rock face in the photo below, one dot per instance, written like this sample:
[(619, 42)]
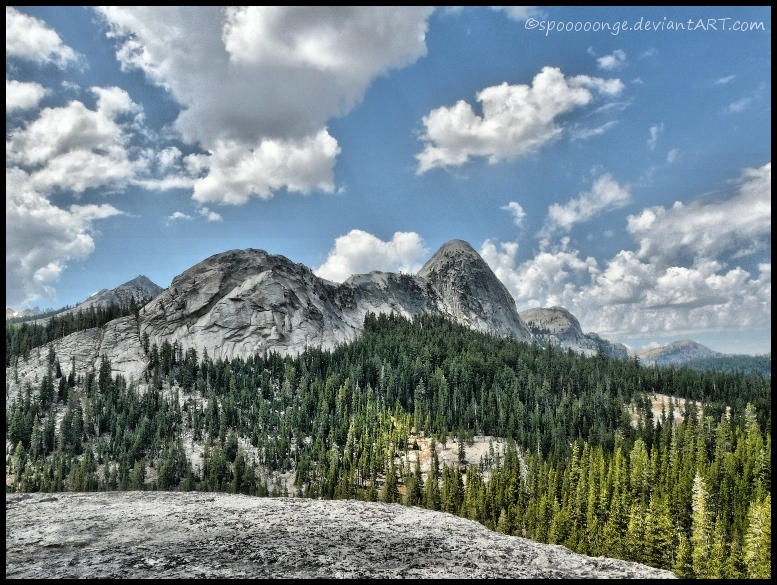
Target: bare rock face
[(206, 535), (558, 327), (243, 302), (246, 301), (470, 293)]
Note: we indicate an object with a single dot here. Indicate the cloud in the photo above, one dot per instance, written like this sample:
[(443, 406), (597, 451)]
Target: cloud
[(68, 149), (235, 173), (654, 132), (359, 252), (42, 238), (631, 297), (724, 80), (518, 13), (739, 105), (605, 194), (543, 281), (29, 38), (517, 120), (210, 215), (673, 155), (75, 148), (612, 62), (178, 215), (678, 279), (586, 133), (707, 229), (517, 212), (22, 95), (257, 85)]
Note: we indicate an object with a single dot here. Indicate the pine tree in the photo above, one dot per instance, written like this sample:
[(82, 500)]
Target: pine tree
[(758, 540), (503, 525), (390, 488), (635, 534), (718, 556), (683, 564), (432, 489), (734, 568), (701, 528), (659, 535), (415, 488)]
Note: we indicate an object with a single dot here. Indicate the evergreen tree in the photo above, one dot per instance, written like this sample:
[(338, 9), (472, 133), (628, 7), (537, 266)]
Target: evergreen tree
[(432, 488), (390, 488), (659, 535), (701, 529), (683, 565), (758, 540), (415, 488)]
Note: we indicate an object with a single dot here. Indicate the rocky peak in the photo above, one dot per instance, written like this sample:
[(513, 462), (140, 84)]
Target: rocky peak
[(453, 255), (556, 320), (138, 289), (142, 283), (558, 327), (467, 290)]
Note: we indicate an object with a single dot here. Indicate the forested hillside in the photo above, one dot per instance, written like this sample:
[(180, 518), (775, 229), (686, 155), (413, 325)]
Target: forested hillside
[(754, 365), (20, 338), (692, 496)]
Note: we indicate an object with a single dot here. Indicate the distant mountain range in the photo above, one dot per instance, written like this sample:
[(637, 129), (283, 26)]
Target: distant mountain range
[(690, 354), (240, 302), (676, 353)]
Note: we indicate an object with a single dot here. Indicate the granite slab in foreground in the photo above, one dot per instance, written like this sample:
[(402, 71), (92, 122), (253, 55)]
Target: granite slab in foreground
[(180, 535)]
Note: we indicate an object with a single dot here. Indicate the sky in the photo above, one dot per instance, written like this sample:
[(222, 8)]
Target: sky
[(615, 161)]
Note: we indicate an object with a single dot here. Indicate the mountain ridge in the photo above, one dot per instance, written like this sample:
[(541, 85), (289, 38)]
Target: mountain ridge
[(140, 289), (240, 302)]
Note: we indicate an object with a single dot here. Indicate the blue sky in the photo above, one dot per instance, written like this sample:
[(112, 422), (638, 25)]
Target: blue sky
[(624, 176)]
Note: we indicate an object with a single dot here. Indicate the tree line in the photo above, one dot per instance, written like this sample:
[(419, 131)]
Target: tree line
[(23, 337)]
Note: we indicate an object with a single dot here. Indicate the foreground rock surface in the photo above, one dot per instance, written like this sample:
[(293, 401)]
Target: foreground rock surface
[(169, 535)]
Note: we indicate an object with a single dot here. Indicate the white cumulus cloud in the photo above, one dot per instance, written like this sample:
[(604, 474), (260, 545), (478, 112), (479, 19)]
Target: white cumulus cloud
[(677, 280), (673, 155), (258, 84), (75, 148), (21, 95), (517, 120), (210, 215), (518, 13), (41, 238), (358, 252), (178, 215), (30, 38), (70, 148)]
